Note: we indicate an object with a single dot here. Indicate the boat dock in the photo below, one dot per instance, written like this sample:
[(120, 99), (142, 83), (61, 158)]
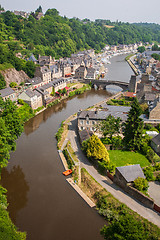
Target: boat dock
[(79, 191)]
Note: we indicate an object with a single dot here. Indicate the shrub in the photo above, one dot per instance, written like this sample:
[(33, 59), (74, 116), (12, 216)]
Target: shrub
[(68, 159), (13, 84), (20, 101), (141, 184), (148, 172)]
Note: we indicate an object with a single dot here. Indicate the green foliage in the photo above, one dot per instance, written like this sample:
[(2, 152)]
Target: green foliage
[(155, 48), (59, 133), (123, 158), (2, 82), (13, 84), (141, 49), (148, 172), (110, 126), (38, 109), (53, 92), (141, 184), (25, 112), (68, 158), (7, 228), (95, 149), (120, 102), (115, 141), (133, 127), (53, 103), (127, 227)]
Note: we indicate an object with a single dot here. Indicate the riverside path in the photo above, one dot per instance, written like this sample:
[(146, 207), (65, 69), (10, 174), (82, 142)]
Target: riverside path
[(105, 182)]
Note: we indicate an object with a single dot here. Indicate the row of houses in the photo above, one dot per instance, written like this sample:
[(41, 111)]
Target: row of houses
[(35, 96)]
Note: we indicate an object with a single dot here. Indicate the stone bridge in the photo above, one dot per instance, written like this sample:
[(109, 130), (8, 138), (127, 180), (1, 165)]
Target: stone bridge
[(101, 84)]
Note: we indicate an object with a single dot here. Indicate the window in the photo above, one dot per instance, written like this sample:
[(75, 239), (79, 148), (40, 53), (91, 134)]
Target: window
[(87, 122), (81, 122), (93, 122), (81, 128)]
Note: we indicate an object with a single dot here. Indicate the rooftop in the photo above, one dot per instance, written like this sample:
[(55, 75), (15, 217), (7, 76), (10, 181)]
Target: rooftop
[(6, 92), (131, 172)]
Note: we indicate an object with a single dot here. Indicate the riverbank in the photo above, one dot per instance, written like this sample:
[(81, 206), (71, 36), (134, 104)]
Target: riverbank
[(91, 191), (131, 64)]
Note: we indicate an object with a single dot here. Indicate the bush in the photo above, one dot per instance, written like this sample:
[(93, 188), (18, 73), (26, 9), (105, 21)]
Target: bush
[(148, 172), (141, 184), (68, 159), (13, 84), (20, 101)]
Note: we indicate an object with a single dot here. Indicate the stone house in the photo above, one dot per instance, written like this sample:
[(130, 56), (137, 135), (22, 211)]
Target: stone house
[(8, 93), (154, 109), (155, 143), (127, 174), (45, 92), (89, 119), (91, 73), (46, 60), (56, 71), (81, 72), (58, 84), (32, 98), (34, 82), (44, 73)]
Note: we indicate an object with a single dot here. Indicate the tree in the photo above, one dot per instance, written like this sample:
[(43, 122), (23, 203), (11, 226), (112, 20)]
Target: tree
[(13, 84), (141, 184), (127, 227), (95, 149), (39, 9), (2, 82), (133, 127), (110, 126), (141, 49)]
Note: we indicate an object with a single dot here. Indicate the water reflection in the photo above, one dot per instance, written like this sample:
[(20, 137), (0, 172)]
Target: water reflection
[(17, 188), (35, 122)]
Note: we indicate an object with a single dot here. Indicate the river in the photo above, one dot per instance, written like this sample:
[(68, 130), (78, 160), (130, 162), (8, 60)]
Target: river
[(41, 202)]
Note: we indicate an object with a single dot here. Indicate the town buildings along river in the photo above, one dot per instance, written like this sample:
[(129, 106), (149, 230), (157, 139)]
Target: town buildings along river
[(41, 202)]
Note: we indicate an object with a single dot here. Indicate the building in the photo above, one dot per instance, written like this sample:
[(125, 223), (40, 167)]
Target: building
[(89, 119), (127, 174), (45, 92), (34, 82), (81, 72), (44, 73), (58, 84), (155, 143), (8, 93), (32, 98)]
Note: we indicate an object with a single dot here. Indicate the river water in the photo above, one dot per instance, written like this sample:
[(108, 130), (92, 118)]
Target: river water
[(41, 202)]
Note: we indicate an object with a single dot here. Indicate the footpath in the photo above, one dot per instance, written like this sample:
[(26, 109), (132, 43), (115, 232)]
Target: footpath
[(105, 182)]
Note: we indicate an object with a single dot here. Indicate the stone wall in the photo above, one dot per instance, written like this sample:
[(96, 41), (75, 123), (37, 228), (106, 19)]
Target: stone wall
[(148, 202)]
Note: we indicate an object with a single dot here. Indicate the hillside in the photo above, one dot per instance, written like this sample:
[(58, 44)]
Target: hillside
[(60, 36)]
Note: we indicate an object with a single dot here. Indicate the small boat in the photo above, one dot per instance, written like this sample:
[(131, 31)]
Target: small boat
[(67, 172)]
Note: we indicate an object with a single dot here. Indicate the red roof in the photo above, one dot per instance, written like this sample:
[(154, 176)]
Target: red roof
[(67, 88), (67, 74), (154, 89), (130, 94)]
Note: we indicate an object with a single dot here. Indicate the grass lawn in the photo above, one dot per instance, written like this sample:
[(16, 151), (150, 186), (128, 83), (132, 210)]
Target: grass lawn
[(122, 158)]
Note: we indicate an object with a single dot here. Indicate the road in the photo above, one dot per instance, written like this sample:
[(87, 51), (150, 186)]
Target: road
[(105, 182)]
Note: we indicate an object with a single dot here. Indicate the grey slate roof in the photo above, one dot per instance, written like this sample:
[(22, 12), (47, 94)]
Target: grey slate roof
[(131, 172), (156, 139), (30, 93), (116, 111), (35, 80), (32, 58), (6, 92)]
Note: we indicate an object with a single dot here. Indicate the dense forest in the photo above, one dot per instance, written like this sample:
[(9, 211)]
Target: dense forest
[(60, 36)]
